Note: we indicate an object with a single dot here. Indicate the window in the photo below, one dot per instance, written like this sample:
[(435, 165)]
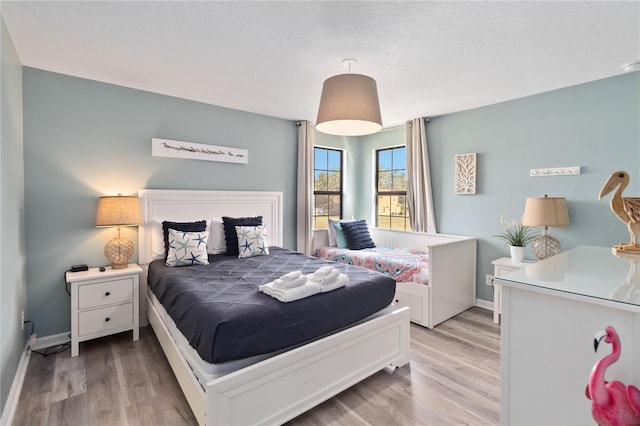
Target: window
[(327, 186), (391, 188)]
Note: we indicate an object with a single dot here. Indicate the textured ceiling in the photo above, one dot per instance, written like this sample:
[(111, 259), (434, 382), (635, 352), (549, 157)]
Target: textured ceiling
[(429, 58)]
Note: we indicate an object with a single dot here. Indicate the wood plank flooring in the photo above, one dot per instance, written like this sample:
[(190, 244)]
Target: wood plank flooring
[(453, 378)]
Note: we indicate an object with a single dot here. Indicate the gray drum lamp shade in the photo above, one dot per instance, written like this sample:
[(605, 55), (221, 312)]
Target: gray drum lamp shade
[(349, 106)]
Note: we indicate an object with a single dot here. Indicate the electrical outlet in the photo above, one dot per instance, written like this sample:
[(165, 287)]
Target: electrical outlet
[(22, 320), (489, 279)]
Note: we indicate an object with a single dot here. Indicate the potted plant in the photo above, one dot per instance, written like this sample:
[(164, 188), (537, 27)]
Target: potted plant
[(517, 237)]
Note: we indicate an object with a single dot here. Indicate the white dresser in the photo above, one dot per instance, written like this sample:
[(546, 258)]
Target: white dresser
[(103, 303), (551, 311)]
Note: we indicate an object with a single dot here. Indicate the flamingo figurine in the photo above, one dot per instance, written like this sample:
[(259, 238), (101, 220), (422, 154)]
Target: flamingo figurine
[(614, 404)]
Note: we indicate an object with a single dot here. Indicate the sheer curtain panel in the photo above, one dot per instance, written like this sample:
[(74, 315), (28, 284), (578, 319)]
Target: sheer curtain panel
[(305, 187), (419, 198)]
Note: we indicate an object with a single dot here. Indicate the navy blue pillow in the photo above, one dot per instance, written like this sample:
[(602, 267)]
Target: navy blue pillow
[(230, 233), (198, 226), (357, 235)]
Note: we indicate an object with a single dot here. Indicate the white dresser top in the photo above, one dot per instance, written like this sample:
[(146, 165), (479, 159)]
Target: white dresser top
[(584, 272)]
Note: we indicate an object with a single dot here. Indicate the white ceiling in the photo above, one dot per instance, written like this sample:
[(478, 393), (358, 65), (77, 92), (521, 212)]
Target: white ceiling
[(429, 58)]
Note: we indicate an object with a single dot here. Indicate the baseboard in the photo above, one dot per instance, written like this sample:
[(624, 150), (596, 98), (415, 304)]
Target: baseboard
[(16, 387), (53, 340), (484, 304)]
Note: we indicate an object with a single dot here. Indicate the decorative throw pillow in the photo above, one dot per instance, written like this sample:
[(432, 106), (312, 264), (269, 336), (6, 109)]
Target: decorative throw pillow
[(341, 242), (252, 241), (357, 235), (332, 231), (216, 243), (198, 226), (187, 248), (230, 234)]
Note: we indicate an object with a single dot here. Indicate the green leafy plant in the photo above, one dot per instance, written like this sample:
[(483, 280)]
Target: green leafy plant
[(514, 233)]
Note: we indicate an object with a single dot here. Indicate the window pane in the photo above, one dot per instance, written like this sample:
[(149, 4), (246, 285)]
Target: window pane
[(400, 180), (333, 180), (384, 159), (397, 222), (402, 203), (334, 160), (321, 205), (320, 158), (321, 181), (384, 205), (384, 222), (399, 158), (384, 181), (334, 205), (320, 222)]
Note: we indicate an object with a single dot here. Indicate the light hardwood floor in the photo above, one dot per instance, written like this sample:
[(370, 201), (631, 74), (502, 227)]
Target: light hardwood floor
[(453, 378)]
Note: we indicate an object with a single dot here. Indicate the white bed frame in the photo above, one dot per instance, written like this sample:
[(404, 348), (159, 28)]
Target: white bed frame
[(452, 273), (280, 388)]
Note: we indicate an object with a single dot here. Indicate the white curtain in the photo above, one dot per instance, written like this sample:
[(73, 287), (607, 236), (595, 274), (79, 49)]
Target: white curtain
[(419, 198), (305, 187)]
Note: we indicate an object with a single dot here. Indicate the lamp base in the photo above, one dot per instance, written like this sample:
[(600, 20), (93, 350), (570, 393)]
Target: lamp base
[(545, 246), (118, 251)]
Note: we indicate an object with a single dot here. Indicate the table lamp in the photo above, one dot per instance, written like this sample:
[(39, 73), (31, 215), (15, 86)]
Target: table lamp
[(118, 211), (545, 211)]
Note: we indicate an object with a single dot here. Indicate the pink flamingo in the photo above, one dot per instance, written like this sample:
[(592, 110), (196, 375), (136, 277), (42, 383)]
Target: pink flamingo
[(614, 404)]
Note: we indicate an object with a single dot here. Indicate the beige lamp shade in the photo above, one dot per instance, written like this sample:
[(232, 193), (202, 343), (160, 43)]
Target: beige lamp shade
[(546, 211), (118, 211), (349, 106)]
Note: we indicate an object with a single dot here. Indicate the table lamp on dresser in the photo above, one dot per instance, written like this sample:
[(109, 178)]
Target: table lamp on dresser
[(545, 211), (118, 211)]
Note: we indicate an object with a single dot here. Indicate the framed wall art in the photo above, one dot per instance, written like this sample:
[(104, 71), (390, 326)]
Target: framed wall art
[(466, 173)]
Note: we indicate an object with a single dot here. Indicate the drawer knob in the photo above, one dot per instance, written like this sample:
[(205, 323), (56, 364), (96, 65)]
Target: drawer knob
[(108, 293), (107, 319)]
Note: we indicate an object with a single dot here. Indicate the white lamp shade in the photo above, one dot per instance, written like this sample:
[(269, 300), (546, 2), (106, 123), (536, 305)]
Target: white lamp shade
[(546, 211), (349, 106)]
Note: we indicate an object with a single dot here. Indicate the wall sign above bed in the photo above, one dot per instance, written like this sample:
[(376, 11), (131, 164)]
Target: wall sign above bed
[(197, 151)]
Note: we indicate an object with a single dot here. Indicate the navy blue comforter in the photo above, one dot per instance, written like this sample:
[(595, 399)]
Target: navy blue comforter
[(220, 310)]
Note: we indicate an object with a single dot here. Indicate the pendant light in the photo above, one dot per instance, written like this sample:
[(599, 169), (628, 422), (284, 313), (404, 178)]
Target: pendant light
[(349, 105)]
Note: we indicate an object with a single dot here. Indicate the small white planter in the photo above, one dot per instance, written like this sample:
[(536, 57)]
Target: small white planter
[(517, 254)]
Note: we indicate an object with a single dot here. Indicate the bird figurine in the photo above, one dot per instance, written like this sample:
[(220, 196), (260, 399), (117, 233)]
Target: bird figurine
[(613, 403), (626, 208)]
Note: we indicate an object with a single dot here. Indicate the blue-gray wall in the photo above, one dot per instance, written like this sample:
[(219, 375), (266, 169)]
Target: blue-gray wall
[(84, 139), (594, 125), (13, 284)]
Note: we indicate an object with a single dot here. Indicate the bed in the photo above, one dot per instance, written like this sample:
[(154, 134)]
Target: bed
[(273, 387), (435, 273)]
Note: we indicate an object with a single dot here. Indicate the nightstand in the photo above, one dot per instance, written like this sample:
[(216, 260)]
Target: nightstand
[(104, 303), (503, 266)]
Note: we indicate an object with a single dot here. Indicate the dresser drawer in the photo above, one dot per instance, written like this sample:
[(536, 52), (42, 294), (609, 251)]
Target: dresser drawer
[(103, 319), (105, 293)]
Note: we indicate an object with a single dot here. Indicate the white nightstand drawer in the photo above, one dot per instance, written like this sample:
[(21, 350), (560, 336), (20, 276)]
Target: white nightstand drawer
[(104, 319), (105, 293)]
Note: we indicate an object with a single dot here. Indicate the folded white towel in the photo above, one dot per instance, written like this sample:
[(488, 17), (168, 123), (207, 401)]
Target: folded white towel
[(324, 279), (325, 270), (341, 281), (291, 294), (280, 283), (291, 276)]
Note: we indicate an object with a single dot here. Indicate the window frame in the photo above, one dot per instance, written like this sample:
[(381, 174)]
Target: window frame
[(407, 221), (339, 193)]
